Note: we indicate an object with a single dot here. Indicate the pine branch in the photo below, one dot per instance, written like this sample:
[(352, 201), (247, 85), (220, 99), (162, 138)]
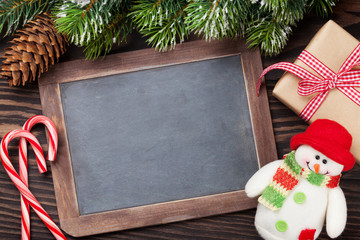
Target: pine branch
[(16, 13), (114, 33), (266, 23), (83, 23), (162, 21), (217, 19), (322, 7), (285, 11), (270, 21), (268, 34)]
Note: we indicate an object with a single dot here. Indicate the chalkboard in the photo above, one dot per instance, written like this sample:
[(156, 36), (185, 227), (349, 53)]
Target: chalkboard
[(166, 134), (150, 144)]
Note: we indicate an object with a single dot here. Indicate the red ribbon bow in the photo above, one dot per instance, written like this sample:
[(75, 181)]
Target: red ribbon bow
[(345, 80)]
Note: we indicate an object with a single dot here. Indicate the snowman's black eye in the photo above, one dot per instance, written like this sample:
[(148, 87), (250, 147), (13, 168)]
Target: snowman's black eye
[(324, 161), (317, 157)]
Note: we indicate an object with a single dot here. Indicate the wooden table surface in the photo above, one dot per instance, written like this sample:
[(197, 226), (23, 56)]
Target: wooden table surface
[(17, 104)]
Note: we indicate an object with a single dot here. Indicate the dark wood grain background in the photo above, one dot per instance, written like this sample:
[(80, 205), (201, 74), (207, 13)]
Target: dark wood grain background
[(20, 103)]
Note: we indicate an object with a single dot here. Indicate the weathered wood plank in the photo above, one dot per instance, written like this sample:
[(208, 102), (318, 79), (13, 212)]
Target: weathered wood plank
[(18, 104)]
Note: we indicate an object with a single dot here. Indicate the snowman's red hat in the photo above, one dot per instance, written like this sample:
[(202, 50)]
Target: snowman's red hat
[(329, 138)]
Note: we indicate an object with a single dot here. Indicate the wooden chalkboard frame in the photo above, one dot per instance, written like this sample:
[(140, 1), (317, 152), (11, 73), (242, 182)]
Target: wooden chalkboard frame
[(83, 225)]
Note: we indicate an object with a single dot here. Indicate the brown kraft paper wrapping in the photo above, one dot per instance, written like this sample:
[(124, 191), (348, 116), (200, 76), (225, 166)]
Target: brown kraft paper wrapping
[(331, 45)]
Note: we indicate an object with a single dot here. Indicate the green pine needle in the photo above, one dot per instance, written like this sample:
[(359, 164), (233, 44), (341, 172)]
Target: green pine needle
[(268, 34), (16, 13), (217, 19), (161, 21), (285, 11), (113, 33), (322, 7), (83, 23)]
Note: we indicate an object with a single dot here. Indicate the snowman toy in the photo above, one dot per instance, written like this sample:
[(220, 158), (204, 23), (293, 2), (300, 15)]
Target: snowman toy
[(299, 192)]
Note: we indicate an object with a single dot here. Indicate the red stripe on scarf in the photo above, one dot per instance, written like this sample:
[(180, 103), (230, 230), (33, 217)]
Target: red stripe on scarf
[(334, 181), (285, 179)]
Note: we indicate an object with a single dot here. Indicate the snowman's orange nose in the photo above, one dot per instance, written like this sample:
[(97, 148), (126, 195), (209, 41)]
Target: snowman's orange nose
[(316, 168)]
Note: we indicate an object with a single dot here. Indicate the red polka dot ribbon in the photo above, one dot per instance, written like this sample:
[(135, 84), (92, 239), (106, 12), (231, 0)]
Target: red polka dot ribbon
[(345, 80)]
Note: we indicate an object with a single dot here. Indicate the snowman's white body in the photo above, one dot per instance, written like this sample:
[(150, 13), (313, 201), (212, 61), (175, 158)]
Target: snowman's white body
[(320, 202), (307, 215)]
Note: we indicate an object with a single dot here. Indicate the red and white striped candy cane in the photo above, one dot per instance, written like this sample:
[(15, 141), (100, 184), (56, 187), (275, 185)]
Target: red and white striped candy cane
[(20, 185), (23, 165)]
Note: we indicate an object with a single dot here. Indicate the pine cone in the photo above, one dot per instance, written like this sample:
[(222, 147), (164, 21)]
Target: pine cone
[(34, 48)]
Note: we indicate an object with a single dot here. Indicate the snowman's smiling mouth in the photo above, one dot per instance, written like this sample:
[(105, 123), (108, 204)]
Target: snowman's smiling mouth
[(307, 163)]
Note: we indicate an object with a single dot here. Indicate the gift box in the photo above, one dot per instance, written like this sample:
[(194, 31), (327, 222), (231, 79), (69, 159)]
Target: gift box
[(331, 46)]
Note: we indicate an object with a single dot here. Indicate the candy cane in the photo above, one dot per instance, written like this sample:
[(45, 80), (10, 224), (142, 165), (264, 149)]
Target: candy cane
[(23, 166), (20, 185)]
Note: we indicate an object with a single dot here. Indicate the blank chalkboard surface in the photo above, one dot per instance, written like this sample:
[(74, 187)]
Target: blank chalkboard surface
[(165, 134), (149, 138)]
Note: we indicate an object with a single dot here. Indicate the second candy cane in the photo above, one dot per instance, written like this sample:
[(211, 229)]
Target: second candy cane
[(23, 165)]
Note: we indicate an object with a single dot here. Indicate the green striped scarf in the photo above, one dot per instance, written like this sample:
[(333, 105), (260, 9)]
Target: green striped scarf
[(287, 177)]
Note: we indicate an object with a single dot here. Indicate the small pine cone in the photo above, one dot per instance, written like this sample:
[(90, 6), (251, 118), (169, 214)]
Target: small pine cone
[(34, 48)]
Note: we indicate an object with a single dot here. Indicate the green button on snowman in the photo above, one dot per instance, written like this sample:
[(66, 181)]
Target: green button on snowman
[(299, 192)]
